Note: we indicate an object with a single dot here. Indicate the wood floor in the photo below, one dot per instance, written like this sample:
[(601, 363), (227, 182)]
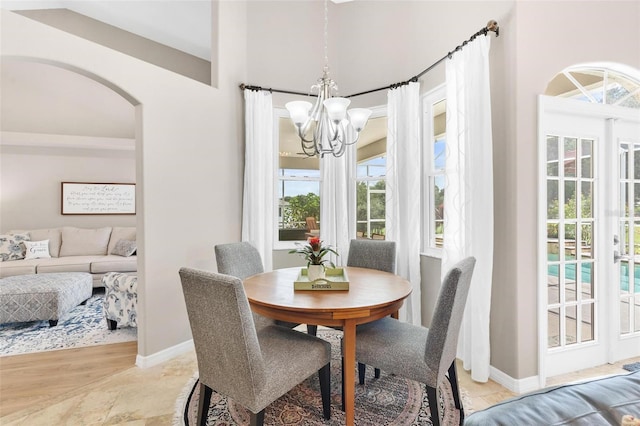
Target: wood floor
[(27, 380), (100, 385)]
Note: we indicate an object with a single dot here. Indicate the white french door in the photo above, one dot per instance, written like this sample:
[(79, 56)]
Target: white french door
[(589, 299)]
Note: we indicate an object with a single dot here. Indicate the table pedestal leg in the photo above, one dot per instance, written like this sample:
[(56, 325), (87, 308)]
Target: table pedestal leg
[(349, 354)]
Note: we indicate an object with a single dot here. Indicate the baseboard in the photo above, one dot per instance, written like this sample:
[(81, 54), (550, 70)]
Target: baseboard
[(164, 355), (518, 386)]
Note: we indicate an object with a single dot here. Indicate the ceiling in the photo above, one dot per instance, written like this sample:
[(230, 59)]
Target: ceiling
[(182, 24)]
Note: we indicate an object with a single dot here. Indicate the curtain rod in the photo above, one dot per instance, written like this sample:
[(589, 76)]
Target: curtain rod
[(492, 25)]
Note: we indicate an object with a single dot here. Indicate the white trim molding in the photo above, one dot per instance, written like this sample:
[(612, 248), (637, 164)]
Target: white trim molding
[(164, 355), (518, 386)]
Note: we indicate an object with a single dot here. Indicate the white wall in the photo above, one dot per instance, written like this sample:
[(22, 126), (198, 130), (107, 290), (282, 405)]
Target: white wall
[(373, 44), (188, 157), (30, 185)]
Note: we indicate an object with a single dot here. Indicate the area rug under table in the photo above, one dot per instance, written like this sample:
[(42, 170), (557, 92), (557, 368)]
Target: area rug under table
[(85, 325), (389, 400)]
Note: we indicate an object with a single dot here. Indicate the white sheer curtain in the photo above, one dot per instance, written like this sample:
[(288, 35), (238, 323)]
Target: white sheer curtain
[(468, 202), (403, 190), (338, 205), (259, 163)]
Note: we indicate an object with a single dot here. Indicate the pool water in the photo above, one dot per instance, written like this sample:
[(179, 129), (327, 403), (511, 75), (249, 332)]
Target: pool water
[(587, 268)]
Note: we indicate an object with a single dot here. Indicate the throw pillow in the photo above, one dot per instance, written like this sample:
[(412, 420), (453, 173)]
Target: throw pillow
[(37, 249), (84, 241), (12, 247), (124, 248)]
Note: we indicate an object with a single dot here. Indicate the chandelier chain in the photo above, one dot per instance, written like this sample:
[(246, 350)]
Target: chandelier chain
[(326, 35)]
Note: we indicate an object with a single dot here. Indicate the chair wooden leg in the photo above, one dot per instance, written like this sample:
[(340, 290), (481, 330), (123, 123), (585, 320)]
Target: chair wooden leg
[(453, 379), (256, 419), (432, 396), (203, 404), (325, 389), (376, 373), (361, 370), (312, 329)]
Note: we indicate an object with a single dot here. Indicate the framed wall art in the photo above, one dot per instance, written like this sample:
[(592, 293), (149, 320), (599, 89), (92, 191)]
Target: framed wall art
[(98, 198)]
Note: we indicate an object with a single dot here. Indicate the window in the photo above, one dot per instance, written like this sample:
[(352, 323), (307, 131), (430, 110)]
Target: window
[(595, 85), (298, 184), (371, 171), (299, 181), (370, 195), (434, 110)]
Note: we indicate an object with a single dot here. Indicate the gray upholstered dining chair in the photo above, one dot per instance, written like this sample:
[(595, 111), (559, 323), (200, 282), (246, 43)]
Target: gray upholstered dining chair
[(252, 367), (419, 353), (372, 254), (243, 260)]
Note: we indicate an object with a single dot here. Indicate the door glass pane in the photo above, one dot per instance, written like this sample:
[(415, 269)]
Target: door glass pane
[(553, 321), (553, 247), (571, 334), (570, 283), (624, 277), (624, 199), (636, 198), (587, 322), (570, 145), (625, 311), (552, 199), (636, 316), (636, 158), (570, 199), (586, 159), (553, 287), (624, 161), (570, 241), (552, 155), (586, 241), (587, 280), (586, 200)]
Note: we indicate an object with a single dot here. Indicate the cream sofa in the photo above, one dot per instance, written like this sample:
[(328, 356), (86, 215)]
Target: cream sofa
[(93, 250)]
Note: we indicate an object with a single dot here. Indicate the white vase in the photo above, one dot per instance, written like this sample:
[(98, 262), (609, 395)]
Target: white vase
[(315, 272)]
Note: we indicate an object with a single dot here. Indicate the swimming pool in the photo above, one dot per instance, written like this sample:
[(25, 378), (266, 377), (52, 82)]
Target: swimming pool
[(586, 271)]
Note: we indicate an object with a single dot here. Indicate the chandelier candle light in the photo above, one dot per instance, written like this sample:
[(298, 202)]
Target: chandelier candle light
[(326, 122)]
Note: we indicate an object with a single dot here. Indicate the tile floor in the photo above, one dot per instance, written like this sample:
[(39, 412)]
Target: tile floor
[(148, 396)]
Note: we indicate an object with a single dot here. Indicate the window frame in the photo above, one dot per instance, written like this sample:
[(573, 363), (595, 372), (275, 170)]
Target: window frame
[(430, 173), (280, 113)]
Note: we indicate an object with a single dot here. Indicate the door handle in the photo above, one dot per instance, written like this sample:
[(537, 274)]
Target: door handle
[(617, 257)]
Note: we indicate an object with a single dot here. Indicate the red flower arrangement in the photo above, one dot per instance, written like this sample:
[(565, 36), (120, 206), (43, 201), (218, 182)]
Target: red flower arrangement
[(313, 251)]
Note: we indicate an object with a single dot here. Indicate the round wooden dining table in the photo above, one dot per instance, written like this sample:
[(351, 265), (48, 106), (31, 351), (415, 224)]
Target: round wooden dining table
[(372, 295)]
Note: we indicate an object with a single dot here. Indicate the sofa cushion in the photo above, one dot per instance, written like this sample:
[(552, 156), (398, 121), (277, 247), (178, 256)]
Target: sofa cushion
[(21, 267), (66, 264), (12, 247), (84, 242), (113, 263), (594, 402), (36, 249), (121, 233), (124, 248), (51, 234)]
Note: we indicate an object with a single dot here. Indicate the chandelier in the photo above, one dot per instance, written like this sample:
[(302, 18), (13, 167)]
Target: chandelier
[(324, 128)]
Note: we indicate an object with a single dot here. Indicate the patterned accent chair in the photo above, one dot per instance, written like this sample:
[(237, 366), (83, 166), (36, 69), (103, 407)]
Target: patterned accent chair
[(253, 367), (120, 299)]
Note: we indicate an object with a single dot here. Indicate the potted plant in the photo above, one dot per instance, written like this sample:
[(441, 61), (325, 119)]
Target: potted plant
[(314, 251)]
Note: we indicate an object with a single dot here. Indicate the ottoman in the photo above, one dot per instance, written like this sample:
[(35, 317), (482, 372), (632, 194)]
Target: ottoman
[(120, 299), (40, 297)]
